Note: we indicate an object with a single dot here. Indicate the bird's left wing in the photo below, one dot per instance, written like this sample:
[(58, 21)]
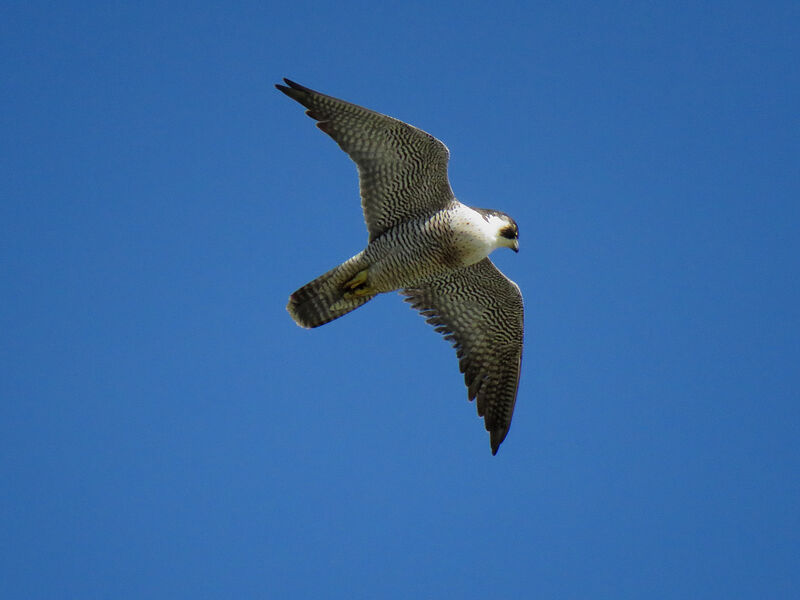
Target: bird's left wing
[(402, 170), (480, 310)]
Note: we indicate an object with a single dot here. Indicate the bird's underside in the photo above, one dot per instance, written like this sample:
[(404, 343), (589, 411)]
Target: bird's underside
[(426, 244)]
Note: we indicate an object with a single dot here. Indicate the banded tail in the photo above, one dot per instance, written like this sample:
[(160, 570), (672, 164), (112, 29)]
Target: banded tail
[(332, 295)]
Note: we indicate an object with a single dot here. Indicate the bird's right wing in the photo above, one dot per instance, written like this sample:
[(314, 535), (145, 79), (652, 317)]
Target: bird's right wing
[(480, 310), (402, 169)]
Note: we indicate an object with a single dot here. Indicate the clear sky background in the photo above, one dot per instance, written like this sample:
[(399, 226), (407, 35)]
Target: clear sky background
[(167, 431)]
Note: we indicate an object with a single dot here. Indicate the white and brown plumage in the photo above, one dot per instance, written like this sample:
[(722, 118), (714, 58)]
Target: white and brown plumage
[(425, 243)]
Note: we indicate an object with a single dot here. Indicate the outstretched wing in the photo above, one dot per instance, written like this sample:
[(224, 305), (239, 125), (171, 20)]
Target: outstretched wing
[(480, 310), (402, 169)]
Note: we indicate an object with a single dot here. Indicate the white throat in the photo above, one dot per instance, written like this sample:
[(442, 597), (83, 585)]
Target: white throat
[(476, 236)]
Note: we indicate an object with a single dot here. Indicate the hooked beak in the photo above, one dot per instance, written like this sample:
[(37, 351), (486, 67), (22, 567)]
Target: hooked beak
[(515, 247)]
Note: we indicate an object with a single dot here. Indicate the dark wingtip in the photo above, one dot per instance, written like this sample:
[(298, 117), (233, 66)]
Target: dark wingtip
[(293, 85), (496, 437), (295, 91)]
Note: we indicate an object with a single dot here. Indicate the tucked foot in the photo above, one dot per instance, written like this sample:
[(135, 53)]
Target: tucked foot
[(356, 282), (357, 286)]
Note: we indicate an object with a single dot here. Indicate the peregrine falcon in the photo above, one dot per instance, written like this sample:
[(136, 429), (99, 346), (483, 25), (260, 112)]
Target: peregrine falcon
[(425, 243)]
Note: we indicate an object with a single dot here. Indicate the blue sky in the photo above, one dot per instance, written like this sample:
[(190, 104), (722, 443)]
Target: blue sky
[(167, 431)]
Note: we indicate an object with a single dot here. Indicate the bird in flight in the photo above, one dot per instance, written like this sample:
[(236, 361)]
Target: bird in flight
[(426, 244)]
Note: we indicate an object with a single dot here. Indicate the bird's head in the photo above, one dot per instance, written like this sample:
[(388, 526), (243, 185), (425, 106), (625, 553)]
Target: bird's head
[(507, 232)]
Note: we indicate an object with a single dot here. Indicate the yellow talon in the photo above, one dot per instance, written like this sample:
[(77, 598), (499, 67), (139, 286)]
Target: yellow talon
[(359, 292), (357, 286), (359, 280)]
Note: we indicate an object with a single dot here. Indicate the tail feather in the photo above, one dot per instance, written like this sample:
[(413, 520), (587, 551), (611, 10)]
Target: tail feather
[(330, 295)]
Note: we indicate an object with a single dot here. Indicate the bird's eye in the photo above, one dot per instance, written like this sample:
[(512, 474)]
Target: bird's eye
[(508, 232)]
